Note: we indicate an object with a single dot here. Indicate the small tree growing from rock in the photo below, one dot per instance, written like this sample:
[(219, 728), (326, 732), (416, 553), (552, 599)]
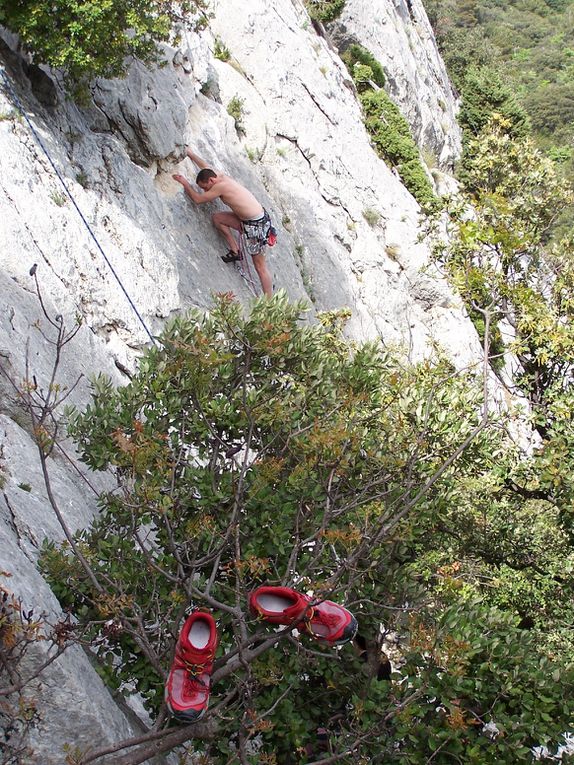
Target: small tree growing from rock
[(87, 39), (257, 449)]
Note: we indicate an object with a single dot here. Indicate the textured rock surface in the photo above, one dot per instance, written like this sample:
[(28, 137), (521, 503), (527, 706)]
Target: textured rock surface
[(316, 157), (400, 37), (306, 156), (74, 708)]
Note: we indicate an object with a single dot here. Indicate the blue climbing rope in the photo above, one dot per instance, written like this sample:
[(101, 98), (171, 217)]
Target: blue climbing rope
[(18, 103)]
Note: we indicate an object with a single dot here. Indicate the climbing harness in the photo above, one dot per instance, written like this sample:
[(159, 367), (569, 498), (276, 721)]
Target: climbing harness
[(258, 233), (254, 235)]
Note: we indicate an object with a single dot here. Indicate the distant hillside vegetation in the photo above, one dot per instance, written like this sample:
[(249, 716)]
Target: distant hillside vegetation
[(514, 56)]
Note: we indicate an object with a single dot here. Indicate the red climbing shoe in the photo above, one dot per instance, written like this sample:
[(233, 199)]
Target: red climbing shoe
[(278, 605), (325, 621), (188, 684)]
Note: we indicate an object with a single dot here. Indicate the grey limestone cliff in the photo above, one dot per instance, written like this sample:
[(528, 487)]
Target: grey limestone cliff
[(399, 35)]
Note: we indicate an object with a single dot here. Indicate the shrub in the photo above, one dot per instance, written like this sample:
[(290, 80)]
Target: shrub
[(87, 38), (324, 10), (235, 110), (416, 180), (264, 449), (371, 215), (356, 54), (486, 93), (551, 108), (389, 130), (391, 136), (220, 50), (28, 645)]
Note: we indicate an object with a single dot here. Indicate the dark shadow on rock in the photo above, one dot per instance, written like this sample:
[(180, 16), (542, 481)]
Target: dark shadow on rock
[(41, 84)]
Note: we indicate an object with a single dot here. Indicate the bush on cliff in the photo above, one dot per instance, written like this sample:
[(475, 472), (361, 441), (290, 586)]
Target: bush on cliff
[(89, 38), (259, 449)]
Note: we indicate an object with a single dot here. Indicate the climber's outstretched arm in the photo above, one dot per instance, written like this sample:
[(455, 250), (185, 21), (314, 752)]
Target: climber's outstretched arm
[(197, 160)]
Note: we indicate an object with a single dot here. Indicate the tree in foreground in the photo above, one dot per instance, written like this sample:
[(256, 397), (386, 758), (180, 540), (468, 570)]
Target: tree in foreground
[(259, 450)]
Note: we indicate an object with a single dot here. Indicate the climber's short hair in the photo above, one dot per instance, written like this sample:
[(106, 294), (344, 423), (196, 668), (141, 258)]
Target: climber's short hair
[(205, 174)]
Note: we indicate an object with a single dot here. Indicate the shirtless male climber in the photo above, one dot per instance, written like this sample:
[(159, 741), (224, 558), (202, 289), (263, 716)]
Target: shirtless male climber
[(246, 213)]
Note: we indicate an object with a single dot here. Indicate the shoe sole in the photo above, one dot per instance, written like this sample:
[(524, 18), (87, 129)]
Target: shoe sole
[(350, 632), (181, 716)]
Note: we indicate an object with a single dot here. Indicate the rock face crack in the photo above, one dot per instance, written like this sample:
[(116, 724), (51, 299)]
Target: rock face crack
[(133, 121), (317, 104), (119, 128), (296, 144), (15, 525), (336, 202), (333, 201), (346, 210)]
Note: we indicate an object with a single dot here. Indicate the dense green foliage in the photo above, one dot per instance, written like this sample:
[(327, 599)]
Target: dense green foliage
[(391, 136), (259, 449), (356, 54), (86, 38), (324, 10), (515, 57), (500, 259), (389, 130), (485, 93)]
